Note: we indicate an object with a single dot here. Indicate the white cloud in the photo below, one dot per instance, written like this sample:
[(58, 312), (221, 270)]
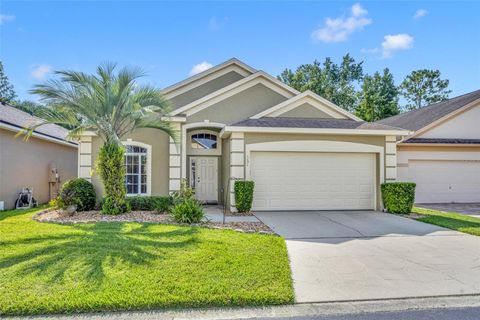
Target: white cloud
[(339, 29), (6, 18), (200, 67), (39, 71), (215, 24), (395, 42), (420, 13)]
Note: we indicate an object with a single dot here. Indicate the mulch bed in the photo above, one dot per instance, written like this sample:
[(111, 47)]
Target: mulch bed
[(58, 216)]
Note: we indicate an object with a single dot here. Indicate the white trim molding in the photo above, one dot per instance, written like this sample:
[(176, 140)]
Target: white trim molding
[(319, 146), (175, 160), (84, 154), (183, 143), (310, 98), (130, 142), (237, 164), (208, 75), (365, 132), (259, 77)]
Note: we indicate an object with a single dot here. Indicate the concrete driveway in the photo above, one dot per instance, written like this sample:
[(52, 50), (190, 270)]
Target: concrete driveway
[(362, 255)]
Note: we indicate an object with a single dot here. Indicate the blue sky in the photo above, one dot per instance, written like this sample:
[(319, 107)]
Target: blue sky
[(168, 39)]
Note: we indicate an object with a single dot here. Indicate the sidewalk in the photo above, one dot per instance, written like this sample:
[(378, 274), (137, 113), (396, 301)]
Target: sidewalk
[(297, 310)]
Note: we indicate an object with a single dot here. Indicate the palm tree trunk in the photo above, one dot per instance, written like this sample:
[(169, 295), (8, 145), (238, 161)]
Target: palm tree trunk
[(112, 171)]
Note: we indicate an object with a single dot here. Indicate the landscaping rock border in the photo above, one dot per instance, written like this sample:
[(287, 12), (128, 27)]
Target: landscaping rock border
[(57, 216)]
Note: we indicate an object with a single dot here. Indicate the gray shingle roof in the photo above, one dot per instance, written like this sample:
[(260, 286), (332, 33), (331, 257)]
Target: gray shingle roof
[(314, 123), (445, 141), (417, 119), (21, 120)]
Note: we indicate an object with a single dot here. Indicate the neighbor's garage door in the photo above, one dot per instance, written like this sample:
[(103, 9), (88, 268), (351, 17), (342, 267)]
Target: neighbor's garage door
[(313, 181), (445, 181)]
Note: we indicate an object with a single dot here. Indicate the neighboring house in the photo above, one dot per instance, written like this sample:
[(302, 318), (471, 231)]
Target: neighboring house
[(30, 163), (443, 154), (235, 122)]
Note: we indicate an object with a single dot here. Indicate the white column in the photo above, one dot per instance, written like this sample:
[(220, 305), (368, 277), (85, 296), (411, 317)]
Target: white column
[(237, 163), (85, 158), (390, 159), (175, 160)]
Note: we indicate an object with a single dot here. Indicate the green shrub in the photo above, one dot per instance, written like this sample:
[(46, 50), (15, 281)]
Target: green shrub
[(243, 195), (185, 193), (78, 192), (187, 211), (149, 203), (398, 197), (111, 167)]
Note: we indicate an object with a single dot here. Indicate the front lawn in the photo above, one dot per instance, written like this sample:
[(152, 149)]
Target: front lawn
[(449, 220), (51, 268)]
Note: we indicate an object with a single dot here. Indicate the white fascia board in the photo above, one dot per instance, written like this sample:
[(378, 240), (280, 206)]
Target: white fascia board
[(208, 75), (174, 119), (229, 129), (40, 136), (444, 118), (236, 87), (307, 97), (463, 145)]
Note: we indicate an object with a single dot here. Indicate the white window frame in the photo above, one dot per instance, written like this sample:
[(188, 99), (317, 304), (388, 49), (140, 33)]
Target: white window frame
[(148, 147), (204, 152)]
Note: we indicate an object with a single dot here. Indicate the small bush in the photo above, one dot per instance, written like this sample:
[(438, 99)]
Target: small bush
[(243, 195), (183, 194), (149, 203), (78, 192), (188, 211), (398, 197)]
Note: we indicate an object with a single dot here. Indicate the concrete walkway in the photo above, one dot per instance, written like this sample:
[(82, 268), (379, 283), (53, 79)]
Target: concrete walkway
[(470, 209), (361, 255), (215, 214)]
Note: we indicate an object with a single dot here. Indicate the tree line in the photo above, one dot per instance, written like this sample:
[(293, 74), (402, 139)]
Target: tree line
[(370, 97)]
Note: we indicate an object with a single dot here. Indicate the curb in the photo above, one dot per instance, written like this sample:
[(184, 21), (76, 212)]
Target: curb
[(296, 310)]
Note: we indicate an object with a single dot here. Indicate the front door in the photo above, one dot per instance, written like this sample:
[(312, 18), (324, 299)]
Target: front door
[(204, 178)]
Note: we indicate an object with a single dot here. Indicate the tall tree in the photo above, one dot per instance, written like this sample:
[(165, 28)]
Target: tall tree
[(423, 87), (7, 93), (379, 97), (334, 82), (112, 104)]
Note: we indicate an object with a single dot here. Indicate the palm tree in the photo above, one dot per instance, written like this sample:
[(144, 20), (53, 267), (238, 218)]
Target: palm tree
[(110, 104)]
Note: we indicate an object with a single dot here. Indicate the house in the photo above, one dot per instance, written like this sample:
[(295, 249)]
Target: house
[(43, 162), (235, 122), (442, 155)]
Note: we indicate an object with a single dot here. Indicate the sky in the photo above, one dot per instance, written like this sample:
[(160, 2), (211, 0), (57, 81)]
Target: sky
[(173, 40)]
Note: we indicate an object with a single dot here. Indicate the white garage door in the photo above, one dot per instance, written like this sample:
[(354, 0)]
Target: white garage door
[(445, 181), (313, 181)]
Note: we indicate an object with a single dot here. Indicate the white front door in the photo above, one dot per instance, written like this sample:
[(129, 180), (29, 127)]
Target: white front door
[(204, 178)]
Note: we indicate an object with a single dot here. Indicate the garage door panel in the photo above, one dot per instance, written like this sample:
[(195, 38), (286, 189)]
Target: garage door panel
[(445, 181), (311, 181)]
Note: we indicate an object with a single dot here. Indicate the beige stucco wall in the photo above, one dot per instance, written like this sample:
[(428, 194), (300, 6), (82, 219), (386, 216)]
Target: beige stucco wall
[(160, 159), (205, 89), (305, 111), (27, 164), (240, 106), (465, 125)]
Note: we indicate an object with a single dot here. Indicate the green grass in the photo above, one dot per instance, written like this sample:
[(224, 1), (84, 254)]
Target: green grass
[(51, 268), (450, 220)]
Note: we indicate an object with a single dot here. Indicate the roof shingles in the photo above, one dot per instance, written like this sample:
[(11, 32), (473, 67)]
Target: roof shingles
[(21, 120)]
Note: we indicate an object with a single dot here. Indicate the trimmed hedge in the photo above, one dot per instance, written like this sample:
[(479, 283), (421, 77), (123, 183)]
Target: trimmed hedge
[(149, 203), (243, 195), (398, 197), (78, 192)]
